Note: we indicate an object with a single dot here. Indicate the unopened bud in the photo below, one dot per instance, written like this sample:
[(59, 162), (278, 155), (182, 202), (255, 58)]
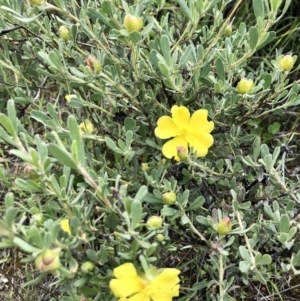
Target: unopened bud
[(37, 218), (94, 64), (224, 226), (228, 30), (245, 85), (87, 267), (182, 153), (63, 33), (144, 166), (159, 238), (87, 127), (36, 2), (69, 97), (133, 23), (47, 262), (169, 198), (155, 221), (286, 63)]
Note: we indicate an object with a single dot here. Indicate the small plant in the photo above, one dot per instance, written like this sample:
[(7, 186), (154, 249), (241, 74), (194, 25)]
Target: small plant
[(146, 148)]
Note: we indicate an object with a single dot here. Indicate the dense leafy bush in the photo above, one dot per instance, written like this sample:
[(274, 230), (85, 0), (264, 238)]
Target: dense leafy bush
[(147, 134)]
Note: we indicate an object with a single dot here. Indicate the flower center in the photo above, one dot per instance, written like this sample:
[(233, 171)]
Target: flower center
[(183, 132), (148, 289)]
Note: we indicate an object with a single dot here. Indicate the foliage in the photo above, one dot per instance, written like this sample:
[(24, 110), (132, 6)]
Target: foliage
[(82, 173)]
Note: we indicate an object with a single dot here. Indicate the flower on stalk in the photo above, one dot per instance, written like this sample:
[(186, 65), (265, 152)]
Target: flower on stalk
[(182, 153), (224, 226), (87, 127), (188, 131), (132, 23), (286, 62), (156, 285), (65, 225), (48, 261), (245, 85)]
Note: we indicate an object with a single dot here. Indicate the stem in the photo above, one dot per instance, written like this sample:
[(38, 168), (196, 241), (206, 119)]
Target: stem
[(221, 277), (246, 239)]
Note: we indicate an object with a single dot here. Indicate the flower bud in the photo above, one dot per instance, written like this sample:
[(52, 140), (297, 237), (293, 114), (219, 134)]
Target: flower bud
[(169, 198), (144, 166), (159, 238), (65, 225), (245, 85), (182, 153), (87, 267), (37, 218), (36, 2), (133, 23), (69, 97), (228, 30), (94, 64), (63, 33), (224, 226), (286, 63), (47, 262), (87, 127), (155, 221)]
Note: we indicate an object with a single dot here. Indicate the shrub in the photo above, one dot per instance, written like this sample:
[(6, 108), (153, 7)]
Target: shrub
[(94, 92)]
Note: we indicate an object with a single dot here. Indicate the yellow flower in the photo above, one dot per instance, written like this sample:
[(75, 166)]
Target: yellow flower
[(187, 131), (69, 97), (87, 126), (64, 224), (154, 286)]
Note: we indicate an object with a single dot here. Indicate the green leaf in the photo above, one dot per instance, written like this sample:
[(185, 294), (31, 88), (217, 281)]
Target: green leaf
[(266, 259), (136, 213), (35, 236), (135, 37), (198, 203), (165, 48), (79, 153), (253, 37), (29, 185), (168, 211), (129, 124), (142, 192), (11, 112), (259, 8), (284, 225), (244, 253), (244, 266), (24, 245), (111, 144), (62, 156), (7, 124), (220, 69), (184, 58), (185, 9), (95, 15), (24, 156)]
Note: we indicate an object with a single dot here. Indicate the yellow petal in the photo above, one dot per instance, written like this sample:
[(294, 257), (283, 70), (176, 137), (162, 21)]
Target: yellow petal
[(167, 279), (64, 224), (199, 122), (125, 287), (180, 116), (87, 126), (166, 128), (139, 297), (200, 141), (169, 149), (125, 270), (161, 296)]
